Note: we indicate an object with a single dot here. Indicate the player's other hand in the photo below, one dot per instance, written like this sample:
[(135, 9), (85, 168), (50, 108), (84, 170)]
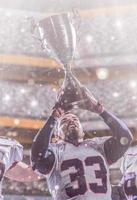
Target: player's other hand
[(89, 102), (57, 112)]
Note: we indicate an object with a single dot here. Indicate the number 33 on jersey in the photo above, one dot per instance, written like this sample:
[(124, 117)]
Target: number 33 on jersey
[(79, 172)]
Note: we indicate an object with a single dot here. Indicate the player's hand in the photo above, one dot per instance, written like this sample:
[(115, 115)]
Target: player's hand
[(89, 102), (57, 112)]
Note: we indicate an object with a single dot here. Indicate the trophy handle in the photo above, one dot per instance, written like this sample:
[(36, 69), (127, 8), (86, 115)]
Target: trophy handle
[(34, 26)]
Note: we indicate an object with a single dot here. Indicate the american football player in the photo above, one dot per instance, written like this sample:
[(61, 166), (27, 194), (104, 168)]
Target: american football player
[(129, 170), (11, 154), (78, 169)]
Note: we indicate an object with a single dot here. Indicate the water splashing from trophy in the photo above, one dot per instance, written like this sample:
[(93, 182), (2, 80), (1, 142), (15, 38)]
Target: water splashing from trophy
[(58, 36)]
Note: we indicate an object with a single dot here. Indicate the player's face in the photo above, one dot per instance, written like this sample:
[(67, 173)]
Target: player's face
[(70, 128)]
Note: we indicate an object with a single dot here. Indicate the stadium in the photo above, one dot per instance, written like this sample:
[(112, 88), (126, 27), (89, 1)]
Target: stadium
[(30, 78)]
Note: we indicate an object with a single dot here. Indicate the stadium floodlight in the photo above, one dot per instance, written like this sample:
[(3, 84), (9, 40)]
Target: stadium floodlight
[(102, 73)]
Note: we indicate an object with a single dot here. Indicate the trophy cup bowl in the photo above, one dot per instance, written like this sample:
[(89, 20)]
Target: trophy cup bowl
[(58, 36)]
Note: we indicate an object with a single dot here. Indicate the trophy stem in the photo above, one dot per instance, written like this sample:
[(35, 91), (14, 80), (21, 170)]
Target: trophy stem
[(69, 77), (67, 68), (71, 92)]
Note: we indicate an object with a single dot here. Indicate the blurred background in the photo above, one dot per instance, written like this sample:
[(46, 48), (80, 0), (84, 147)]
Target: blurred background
[(105, 62)]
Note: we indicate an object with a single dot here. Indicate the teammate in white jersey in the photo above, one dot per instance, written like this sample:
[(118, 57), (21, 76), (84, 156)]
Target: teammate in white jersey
[(78, 169), (11, 154), (129, 170)]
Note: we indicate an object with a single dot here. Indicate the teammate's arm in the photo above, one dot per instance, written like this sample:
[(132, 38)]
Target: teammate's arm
[(121, 138), (21, 172), (42, 158)]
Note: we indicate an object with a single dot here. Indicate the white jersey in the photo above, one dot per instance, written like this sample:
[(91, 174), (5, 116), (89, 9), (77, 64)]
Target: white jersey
[(79, 172), (129, 171), (11, 152), (129, 161)]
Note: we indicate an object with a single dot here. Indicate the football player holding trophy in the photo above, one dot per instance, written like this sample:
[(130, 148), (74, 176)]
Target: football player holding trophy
[(75, 168)]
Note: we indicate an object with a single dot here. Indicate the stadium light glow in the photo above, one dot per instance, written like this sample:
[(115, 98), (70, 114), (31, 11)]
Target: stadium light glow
[(22, 30), (8, 14), (118, 23), (89, 38), (16, 121), (33, 103), (102, 73), (6, 97), (22, 91), (115, 94), (112, 38), (134, 97), (133, 84)]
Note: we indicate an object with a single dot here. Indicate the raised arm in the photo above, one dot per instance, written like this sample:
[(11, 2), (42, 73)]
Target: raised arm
[(22, 172), (42, 158), (121, 138)]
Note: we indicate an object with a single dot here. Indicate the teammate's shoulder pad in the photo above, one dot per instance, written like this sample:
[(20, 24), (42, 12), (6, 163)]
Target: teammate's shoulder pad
[(98, 140), (6, 141)]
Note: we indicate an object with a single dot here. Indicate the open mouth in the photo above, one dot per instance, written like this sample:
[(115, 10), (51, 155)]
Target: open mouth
[(72, 126)]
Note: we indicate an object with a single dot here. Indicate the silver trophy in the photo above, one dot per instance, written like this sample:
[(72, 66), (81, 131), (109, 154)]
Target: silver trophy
[(58, 37)]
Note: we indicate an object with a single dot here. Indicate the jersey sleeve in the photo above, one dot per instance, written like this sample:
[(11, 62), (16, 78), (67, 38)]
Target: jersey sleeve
[(101, 140), (46, 164)]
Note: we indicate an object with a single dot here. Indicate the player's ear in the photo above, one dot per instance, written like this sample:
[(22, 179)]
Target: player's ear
[(55, 138)]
